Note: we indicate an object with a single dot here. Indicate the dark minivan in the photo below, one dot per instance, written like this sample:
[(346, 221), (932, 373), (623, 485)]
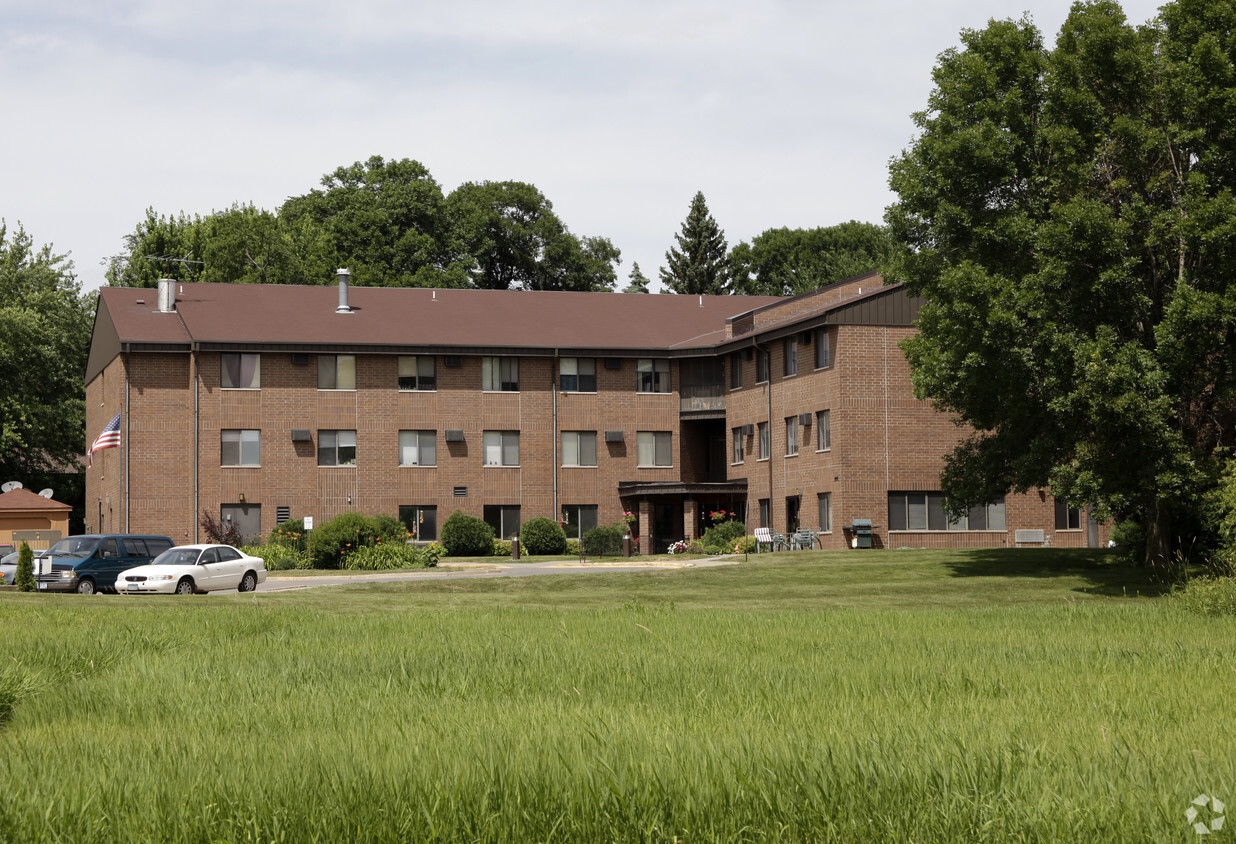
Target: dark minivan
[(89, 564)]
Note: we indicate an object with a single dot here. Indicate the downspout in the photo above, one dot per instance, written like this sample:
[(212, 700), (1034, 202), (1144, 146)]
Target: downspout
[(127, 450), (553, 390), (195, 383), (768, 394)]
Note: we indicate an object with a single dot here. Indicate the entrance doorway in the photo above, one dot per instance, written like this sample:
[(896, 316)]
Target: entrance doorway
[(666, 526)]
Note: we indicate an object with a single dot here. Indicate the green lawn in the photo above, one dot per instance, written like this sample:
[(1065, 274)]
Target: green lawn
[(909, 696)]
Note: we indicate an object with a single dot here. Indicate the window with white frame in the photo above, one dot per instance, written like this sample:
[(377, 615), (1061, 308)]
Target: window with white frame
[(578, 375), (927, 511), (579, 448), (240, 447), (654, 448), (765, 439), (418, 448), (336, 448), (1067, 518), (791, 436), (240, 371), (501, 448), (336, 372), (418, 372), (503, 518), (823, 431), (824, 503), (421, 520), (739, 441), (652, 375), (824, 340), (500, 375), (791, 356)]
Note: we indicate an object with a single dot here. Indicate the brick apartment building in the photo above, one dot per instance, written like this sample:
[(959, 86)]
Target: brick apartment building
[(260, 403)]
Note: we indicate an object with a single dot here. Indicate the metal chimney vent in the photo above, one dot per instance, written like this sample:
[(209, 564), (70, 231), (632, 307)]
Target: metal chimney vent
[(344, 276), (167, 295)]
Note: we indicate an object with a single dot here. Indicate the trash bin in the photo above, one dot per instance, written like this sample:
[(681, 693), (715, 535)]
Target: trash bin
[(861, 529)]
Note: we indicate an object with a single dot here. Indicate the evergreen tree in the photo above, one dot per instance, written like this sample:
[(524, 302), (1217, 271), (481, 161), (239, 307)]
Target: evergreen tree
[(23, 578), (698, 264), (639, 281)]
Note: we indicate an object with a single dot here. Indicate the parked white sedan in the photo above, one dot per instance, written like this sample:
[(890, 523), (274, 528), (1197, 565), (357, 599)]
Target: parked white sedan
[(187, 569)]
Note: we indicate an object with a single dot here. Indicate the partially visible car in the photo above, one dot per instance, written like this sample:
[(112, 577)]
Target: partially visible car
[(88, 564), (6, 549), (8, 565), (189, 569)]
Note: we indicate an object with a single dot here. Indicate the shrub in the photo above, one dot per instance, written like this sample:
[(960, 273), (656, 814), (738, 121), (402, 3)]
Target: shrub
[(335, 539), (388, 556), (542, 536), (1130, 540), (683, 546), (574, 548), (720, 538), (604, 540), (467, 536), (220, 532), (23, 578), (746, 545), (502, 548), (279, 557), (437, 549), (1207, 596), (290, 534)]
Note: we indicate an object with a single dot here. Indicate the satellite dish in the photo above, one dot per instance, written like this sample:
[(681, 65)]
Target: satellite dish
[(46, 493), (9, 486)]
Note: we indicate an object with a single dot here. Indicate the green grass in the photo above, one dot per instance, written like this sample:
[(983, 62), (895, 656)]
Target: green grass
[(907, 696)]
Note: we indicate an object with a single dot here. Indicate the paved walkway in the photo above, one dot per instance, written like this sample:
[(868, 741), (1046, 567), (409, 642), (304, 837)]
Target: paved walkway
[(277, 583)]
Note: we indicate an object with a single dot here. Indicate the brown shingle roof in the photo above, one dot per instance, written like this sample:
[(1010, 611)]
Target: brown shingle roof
[(300, 315), (24, 499)]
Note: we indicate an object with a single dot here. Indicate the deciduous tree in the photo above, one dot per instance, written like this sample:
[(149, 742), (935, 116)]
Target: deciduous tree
[(1071, 214), (786, 262)]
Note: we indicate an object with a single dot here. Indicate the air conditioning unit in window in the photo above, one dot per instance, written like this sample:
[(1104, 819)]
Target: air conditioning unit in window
[(804, 419), (300, 358), (454, 435), (613, 363), (452, 360), (301, 435), (748, 430), (613, 436)]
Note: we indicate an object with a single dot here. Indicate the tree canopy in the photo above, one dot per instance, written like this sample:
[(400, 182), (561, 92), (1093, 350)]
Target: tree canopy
[(386, 221), (44, 336), (637, 282), (786, 262), (1071, 215), (698, 264)]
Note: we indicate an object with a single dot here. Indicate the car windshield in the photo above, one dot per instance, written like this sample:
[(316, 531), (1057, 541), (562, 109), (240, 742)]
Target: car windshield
[(177, 557), (75, 546)]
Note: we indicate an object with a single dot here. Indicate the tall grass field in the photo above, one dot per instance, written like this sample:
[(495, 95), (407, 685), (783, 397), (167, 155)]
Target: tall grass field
[(895, 696)]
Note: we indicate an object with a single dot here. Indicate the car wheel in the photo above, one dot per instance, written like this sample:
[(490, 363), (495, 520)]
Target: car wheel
[(247, 583), (184, 587), (85, 586)]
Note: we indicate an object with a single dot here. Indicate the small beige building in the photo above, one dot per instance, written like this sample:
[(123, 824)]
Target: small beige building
[(28, 516)]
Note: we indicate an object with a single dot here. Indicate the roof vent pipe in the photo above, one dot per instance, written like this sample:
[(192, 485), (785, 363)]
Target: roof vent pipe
[(343, 276), (167, 295)]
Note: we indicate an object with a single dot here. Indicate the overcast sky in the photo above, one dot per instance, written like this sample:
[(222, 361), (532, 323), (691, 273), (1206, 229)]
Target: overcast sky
[(783, 113)]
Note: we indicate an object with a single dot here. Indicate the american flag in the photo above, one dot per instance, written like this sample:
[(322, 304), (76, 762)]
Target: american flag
[(109, 438)]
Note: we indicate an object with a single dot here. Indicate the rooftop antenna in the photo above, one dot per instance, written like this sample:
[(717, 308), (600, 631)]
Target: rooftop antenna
[(185, 260), (9, 486)]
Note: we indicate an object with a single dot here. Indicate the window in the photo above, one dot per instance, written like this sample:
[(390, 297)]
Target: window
[(824, 348), (336, 448), (503, 518), (421, 521), (791, 356), (823, 431), (579, 448), (761, 366), (578, 375), (502, 448), (824, 503), (418, 372), (654, 448), (735, 370), (791, 436), (1067, 518), (739, 441), (580, 518), (418, 448), (240, 447), (926, 511), (240, 372), (652, 375), (336, 372), (500, 375), (765, 441), (765, 513)]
